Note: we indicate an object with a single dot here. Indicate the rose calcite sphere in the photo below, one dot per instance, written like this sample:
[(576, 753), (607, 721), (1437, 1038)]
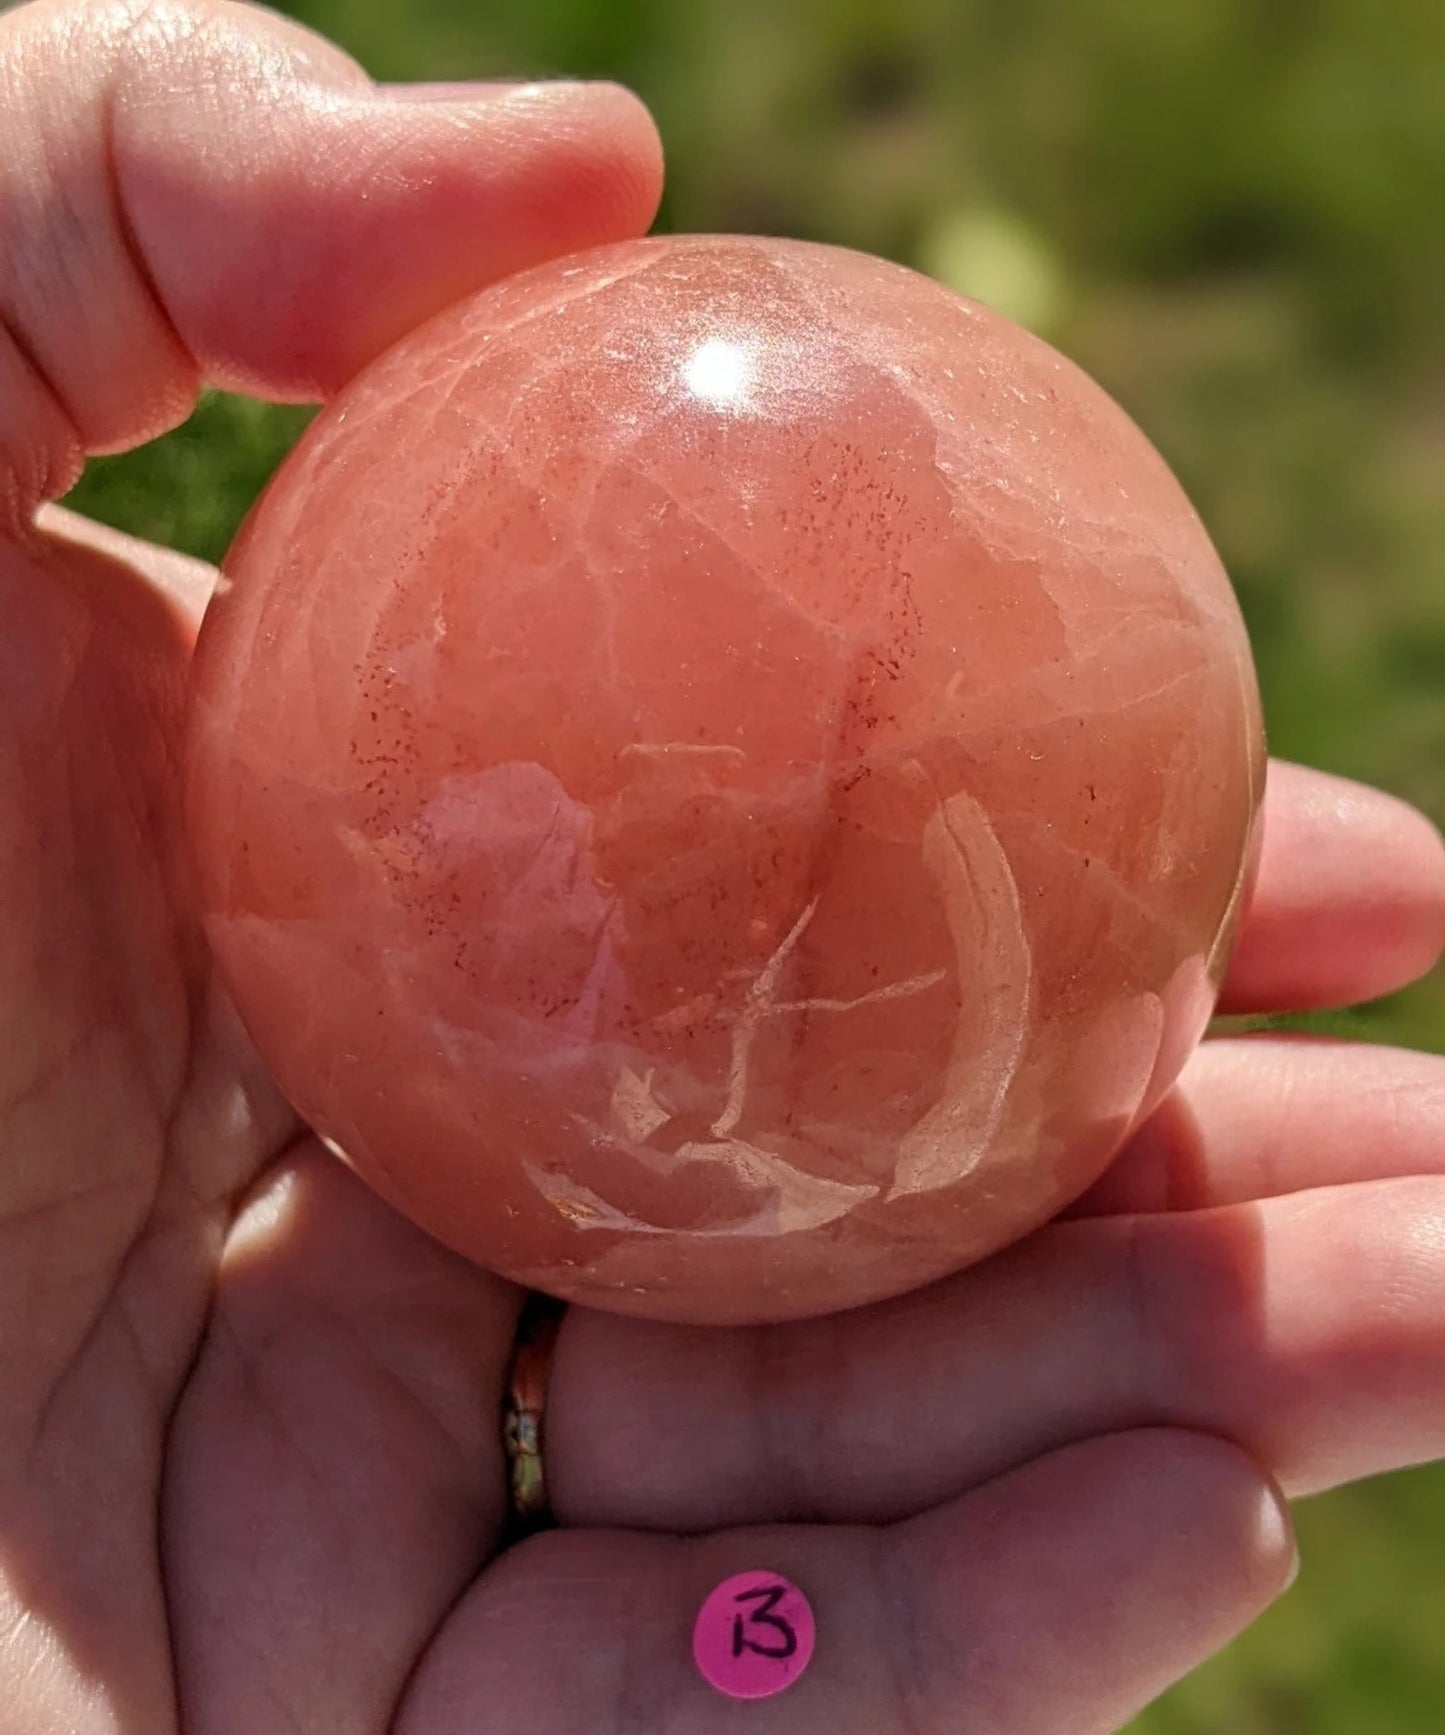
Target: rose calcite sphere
[(723, 776)]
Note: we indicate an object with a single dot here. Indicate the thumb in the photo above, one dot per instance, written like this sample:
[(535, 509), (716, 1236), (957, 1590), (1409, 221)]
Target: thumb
[(194, 191)]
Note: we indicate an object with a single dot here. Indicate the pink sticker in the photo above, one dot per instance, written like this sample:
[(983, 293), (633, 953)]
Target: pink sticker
[(754, 1635)]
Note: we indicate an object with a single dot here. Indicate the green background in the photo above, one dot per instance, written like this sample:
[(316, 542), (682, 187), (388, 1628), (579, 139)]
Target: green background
[(1231, 214)]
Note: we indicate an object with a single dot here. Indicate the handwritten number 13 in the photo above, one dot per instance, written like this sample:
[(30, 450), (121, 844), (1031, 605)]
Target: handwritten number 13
[(768, 1596)]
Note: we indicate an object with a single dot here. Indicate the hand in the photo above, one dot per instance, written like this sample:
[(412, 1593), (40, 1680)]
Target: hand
[(250, 1465)]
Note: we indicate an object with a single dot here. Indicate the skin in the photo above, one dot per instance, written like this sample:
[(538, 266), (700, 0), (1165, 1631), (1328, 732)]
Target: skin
[(250, 1473)]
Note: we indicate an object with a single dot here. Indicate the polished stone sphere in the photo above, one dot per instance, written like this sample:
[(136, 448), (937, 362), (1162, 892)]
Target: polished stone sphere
[(723, 776)]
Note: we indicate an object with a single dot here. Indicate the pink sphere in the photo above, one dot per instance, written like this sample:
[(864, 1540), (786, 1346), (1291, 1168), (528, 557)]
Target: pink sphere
[(723, 776)]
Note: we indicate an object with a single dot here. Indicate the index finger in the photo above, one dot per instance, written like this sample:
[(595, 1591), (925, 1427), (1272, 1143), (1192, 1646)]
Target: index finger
[(1350, 899)]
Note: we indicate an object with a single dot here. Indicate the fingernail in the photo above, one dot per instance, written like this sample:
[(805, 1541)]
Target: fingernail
[(1294, 1567), (472, 90)]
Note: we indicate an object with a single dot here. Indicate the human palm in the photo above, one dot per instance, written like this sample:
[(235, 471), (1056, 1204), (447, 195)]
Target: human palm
[(250, 1453)]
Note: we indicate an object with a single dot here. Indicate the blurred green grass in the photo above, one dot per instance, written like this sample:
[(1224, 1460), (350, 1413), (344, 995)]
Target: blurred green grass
[(1229, 211)]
